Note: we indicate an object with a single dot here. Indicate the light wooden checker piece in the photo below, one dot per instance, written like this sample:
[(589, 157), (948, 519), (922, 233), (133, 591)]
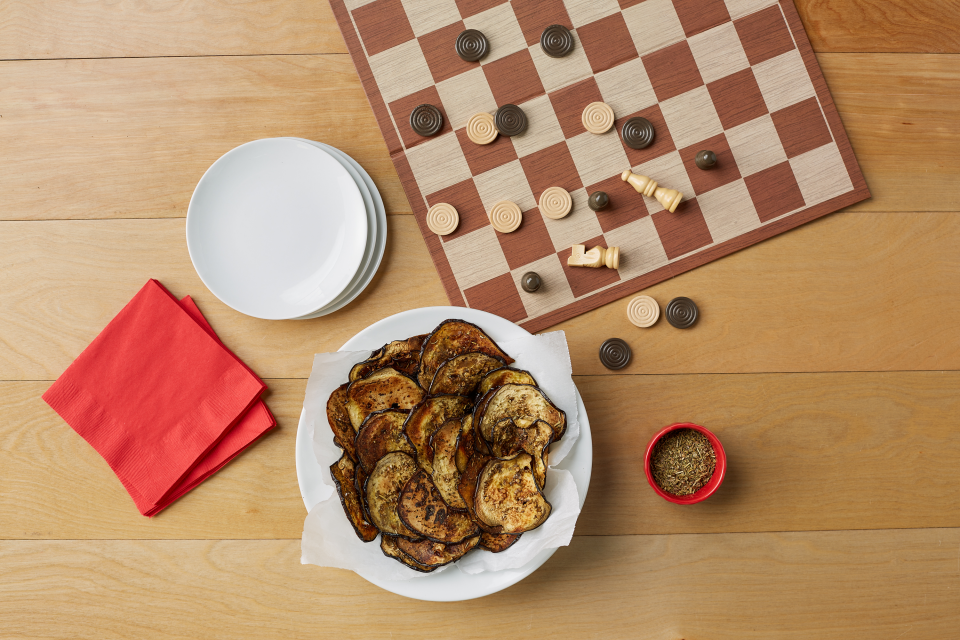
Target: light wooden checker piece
[(505, 216), (597, 117), (643, 311), (555, 203), (443, 219), (481, 128)]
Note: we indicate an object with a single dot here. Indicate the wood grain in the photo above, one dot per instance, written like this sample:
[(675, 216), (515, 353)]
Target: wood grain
[(844, 585), (131, 138), (806, 452)]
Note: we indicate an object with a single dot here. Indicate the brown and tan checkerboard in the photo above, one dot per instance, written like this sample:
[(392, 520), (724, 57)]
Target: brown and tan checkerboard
[(735, 76)]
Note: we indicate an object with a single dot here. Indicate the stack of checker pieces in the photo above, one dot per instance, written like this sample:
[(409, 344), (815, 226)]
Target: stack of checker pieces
[(737, 77)]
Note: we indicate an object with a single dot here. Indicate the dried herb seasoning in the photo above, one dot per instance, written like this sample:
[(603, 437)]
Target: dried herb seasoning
[(682, 462)]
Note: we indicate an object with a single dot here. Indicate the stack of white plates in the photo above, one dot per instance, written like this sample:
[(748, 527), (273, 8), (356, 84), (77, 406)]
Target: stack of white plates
[(286, 228)]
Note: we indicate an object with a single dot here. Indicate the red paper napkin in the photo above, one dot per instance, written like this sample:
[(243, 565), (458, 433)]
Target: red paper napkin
[(154, 394)]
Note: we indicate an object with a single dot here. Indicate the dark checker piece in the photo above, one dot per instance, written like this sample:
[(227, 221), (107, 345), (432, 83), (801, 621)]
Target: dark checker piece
[(510, 120), (556, 41), (615, 354), (705, 159), (426, 120), (530, 282), (598, 200), (637, 133), (682, 313), (472, 45)]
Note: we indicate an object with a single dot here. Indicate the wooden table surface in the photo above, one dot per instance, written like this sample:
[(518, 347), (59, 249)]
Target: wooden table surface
[(827, 359)]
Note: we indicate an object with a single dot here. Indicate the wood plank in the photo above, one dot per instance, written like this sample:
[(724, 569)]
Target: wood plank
[(843, 585), (881, 289), (806, 452), (131, 138)]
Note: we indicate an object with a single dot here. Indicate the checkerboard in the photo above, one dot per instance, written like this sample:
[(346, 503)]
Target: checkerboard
[(737, 77)]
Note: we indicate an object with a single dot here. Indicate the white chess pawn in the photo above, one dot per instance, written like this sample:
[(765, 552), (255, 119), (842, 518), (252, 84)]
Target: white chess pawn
[(669, 198)]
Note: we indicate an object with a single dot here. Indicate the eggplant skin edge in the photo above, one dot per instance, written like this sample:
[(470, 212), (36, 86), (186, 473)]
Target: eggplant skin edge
[(387, 541), (426, 343)]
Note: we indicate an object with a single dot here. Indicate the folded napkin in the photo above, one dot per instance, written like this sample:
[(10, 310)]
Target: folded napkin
[(154, 394)]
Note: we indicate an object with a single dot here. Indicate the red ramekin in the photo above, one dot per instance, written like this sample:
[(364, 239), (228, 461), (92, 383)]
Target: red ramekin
[(706, 490)]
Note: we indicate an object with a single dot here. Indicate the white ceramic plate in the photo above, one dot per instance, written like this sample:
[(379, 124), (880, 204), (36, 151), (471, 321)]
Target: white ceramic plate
[(371, 262), (277, 228), (450, 585)]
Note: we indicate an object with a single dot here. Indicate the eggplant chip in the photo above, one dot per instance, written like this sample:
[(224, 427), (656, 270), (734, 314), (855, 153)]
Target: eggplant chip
[(446, 476), (382, 433), (461, 375), (468, 487), (426, 418), (343, 432), (465, 443), (402, 355), (508, 496), (497, 542), (517, 401), (512, 436), (423, 510), (391, 548), (361, 485), (435, 554), (502, 376), (343, 472), (385, 389), (383, 492), (450, 339)]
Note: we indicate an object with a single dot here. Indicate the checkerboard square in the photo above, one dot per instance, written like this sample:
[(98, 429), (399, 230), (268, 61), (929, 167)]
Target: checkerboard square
[(784, 81), (756, 145), (536, 15), (691, 117), (683, 231), (653, 24), (551, 167), (583, 12), (473, 7), (485, 157), (402, 108), (465, 95), (506, 182), (502, 30), (560, 72), (662, 140), (569, 102), (426, 16), (382, 25), (594, 154), (775, 191), (764, 34), (821, 174), (476, 257), (672, 71), (355, 4), (626, 88), (513, 79), (801, 127), (724, 172), (584, 280), (728, 211), (438, 163), (466, 200), (740, 8), (697, 16), (554, 291), (626, 205), (668, 170), (640, 248), (718, 52), (737, 98), (607, 42), (579, 224), (543, 129), (401, 71), (437, 47), (498, 296), (528, 243)]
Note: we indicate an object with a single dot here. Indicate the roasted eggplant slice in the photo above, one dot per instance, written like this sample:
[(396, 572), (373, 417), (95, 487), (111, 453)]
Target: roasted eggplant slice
[(384, 389), (343, 472), (434, 554), (468, 480), (445, 473), (391, 548), (402, 355), (517, 401), (508, 496), (510, 437), (450, 339), (429, 416), (465, 443), (497, 543), (382, 433), (423, 510), (361, 485), (502, 376), (343, 432), (383, 492), (460, 375)]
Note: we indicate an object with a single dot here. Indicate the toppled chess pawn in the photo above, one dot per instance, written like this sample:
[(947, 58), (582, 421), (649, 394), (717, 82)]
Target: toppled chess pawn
[(531, 282), (705, 159), (598, 200), (595, 258), (669, 198)]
